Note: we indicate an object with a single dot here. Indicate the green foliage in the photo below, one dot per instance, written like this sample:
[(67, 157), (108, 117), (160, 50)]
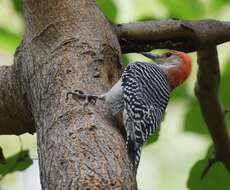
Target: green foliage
[(18, 162), (225, 92), (187, 9), (193, 119), (216, 5), (17, 5), (8, 40), (216, 178), (125, 60), (180, 93), (109, 8)]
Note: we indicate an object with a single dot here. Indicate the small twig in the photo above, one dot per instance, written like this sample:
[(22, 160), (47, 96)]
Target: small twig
[(2, 157), (21, 143), (211, 162)]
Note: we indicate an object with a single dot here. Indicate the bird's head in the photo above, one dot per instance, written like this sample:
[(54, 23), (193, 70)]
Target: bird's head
[(176, 65)]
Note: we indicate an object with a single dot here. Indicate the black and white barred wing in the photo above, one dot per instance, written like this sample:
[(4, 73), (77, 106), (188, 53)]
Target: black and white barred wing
[(146, 94)]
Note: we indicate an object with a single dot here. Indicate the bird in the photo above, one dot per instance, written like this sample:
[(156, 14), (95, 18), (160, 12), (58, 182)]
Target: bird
[(142, 95)]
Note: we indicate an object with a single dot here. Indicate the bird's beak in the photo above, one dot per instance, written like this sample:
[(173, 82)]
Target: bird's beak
[(151, 55)]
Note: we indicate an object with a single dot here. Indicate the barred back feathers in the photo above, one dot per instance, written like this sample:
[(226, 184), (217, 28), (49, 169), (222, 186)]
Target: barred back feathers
[(146, 94)]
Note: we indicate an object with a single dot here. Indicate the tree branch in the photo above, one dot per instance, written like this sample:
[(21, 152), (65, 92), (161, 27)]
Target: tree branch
[(182, 35), (207, 92), (15, 118)]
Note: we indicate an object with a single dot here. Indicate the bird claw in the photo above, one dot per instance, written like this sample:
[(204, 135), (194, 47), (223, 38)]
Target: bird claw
[(81, 95)]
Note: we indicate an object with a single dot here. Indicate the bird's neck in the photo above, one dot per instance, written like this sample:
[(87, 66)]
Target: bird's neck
[(176, 75)]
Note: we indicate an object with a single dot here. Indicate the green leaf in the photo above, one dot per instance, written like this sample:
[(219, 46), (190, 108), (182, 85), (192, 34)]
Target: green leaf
[(216, 5), (217, 177), (125, 60), (180, 93), (8, 40), (187, 9), (18, 162), (18, 5), (194, 121), (109, 8), (224, 89)]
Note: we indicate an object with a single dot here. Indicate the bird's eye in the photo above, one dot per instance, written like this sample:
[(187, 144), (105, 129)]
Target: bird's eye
[(168, 54)]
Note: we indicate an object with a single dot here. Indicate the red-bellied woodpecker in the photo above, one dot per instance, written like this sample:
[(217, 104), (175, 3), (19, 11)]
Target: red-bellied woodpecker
[(142, 95)]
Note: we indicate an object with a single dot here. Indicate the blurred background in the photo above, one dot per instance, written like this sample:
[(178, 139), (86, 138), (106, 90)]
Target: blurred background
[(175, 157)]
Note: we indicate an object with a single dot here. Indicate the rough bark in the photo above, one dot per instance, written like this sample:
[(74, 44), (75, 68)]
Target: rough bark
[(68, 45)]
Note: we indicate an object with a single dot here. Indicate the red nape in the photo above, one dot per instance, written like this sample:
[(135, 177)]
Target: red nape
[(179, 75), (187, 63)]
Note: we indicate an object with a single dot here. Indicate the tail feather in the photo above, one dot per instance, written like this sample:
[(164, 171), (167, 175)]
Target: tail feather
[(135, 157)]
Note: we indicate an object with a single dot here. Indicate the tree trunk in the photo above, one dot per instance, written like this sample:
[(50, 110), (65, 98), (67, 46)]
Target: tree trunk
[(69, 45)]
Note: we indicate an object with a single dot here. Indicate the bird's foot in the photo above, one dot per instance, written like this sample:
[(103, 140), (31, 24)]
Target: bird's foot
[(81, 95)]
